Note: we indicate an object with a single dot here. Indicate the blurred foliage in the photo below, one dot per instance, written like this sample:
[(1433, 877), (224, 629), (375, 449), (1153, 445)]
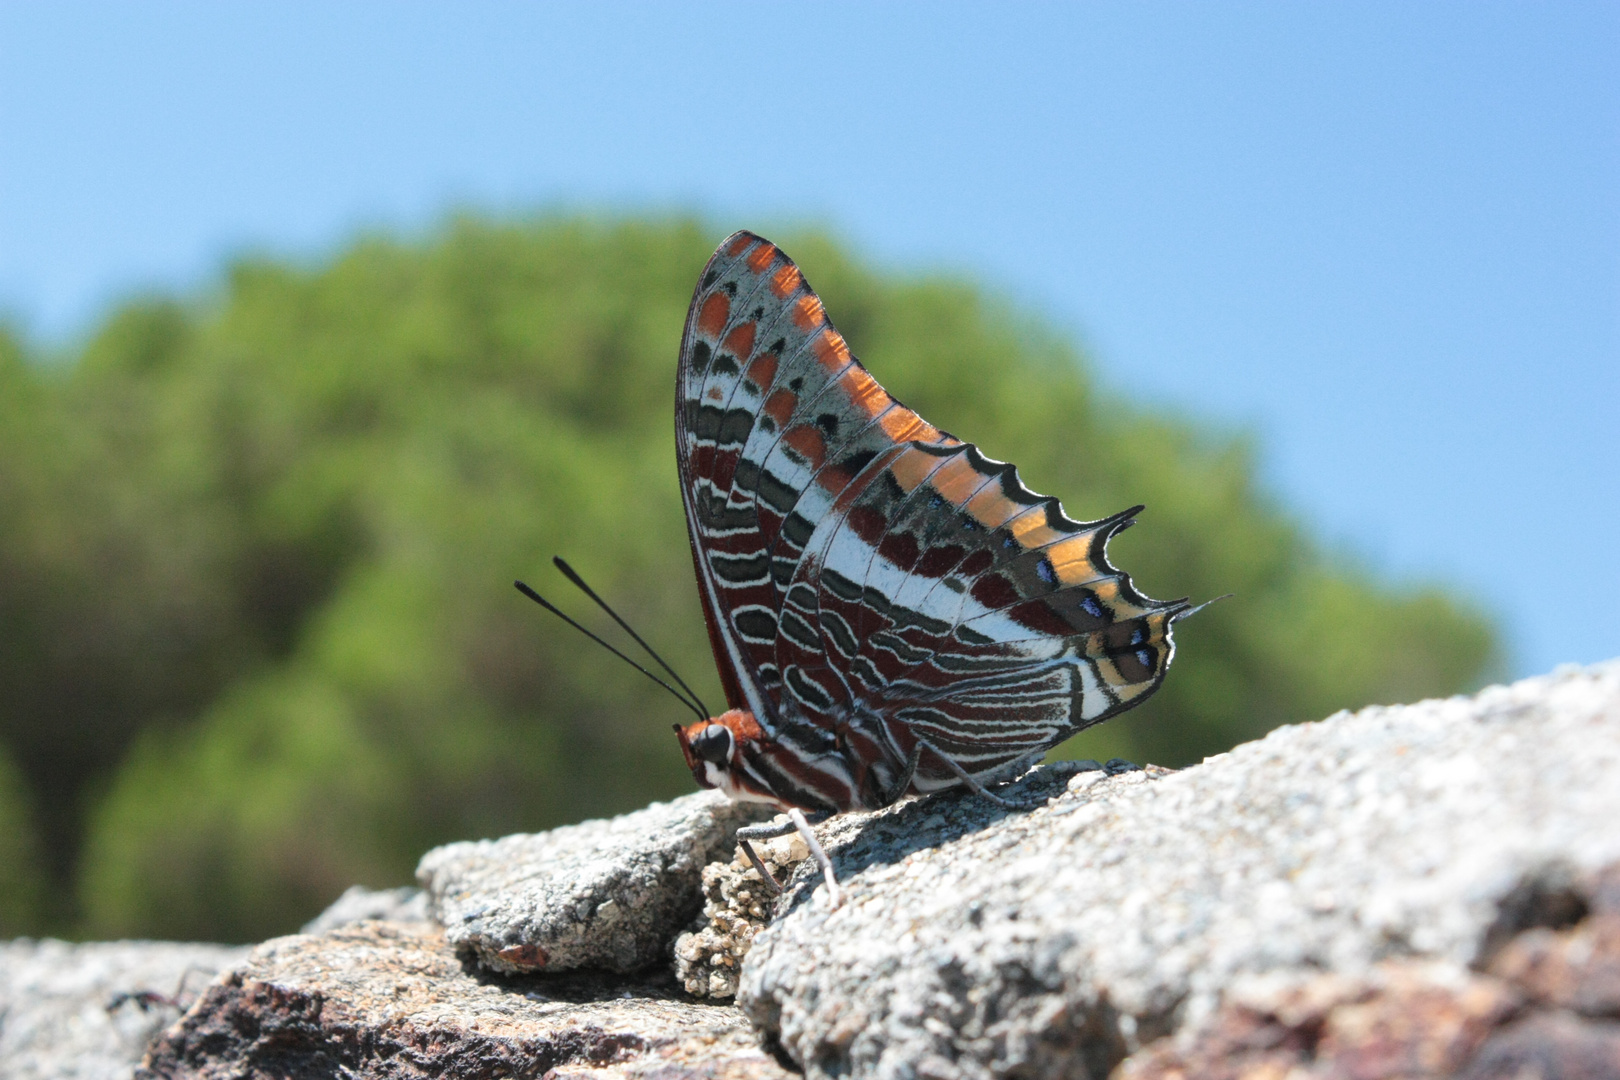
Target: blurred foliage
[(21, 881), (256, 552)]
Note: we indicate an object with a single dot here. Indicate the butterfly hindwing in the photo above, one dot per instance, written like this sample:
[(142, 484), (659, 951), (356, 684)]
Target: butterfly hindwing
[(966, 610)]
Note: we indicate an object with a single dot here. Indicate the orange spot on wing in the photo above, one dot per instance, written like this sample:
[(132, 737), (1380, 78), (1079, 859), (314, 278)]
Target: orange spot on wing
[(786, 280), (864, 392), (956, 480), (762, 372), (761, 258), (1031, 530), (779, 407), (1071, 559), (809, 314), (740, 245), (833, 480), (712, 317), (740, 342), (903, 425), (807, 440), (912, 468), (831, 349), (991, 507)]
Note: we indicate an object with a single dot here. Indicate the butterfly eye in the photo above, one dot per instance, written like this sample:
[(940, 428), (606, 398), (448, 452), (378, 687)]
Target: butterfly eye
[(713, 744)]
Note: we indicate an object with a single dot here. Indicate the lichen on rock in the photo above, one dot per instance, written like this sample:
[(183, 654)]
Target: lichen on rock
[(737, 904)]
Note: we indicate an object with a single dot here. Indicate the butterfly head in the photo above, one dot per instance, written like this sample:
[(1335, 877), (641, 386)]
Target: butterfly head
[(713, 748)]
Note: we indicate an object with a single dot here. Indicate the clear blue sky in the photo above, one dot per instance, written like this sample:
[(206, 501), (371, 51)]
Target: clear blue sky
[(1385, 238)]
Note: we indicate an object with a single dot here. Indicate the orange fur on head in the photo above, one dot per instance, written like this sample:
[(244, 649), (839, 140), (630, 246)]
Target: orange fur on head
[(741, 724)]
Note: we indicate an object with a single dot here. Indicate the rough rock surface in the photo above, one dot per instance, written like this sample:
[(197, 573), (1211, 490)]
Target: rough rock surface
[(736, 906), (390, 999), (1401, 1018), (87, 1011), (608, 894), (358, 903), (976, 941), (1545, 1004)]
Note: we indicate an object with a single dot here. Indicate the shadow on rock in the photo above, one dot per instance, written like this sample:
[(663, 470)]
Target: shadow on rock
[(578, 986), (858, 842)]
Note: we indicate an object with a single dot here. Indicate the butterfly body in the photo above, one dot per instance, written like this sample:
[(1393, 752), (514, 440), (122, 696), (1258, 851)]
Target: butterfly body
[(891, 611)]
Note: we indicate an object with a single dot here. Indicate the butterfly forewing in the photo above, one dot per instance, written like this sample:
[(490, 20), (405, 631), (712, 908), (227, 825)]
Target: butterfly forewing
[(867, 575)]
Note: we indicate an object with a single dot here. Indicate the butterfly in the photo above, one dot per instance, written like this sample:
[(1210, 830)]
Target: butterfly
[(892, 612)]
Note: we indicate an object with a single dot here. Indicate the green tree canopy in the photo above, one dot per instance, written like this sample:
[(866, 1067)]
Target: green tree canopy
[(256, 553)]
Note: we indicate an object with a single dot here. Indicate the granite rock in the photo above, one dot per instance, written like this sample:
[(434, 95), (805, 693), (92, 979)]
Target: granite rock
[(1110, 911), (383, 999), (86, 1012), (609, 894), (1400, 1018), (358, 903), (1544, 1005), (1576, 969)]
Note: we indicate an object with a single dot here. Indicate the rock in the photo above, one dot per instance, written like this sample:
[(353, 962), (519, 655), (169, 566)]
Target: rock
[(976, 941), (1554, 1046), (609, 894), (737, 903), (1576, 969), (87, 1011), (1400, 1019), (1544, 1009), (358, 903), (391, 999)]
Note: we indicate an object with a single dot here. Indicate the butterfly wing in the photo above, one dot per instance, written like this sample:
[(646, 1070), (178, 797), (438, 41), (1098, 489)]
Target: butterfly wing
[(972, 613), (764, 384), (864, 573)]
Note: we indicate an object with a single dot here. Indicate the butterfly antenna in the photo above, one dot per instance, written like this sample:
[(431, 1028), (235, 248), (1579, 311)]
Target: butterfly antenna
[(569, 572), (549, 606)]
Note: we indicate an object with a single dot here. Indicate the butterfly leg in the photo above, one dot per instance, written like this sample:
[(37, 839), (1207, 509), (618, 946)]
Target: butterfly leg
[(768, 830), (961, 774), (904, 782), (834, 897), (771, 829)]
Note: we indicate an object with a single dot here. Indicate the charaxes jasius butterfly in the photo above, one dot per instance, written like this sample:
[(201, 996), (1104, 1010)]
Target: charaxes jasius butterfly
[(891, 611)]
